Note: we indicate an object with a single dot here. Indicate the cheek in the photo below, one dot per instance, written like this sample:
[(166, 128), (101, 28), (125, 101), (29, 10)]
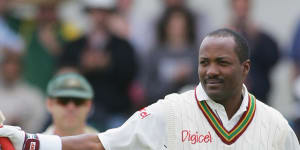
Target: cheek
[(234, 76), (200, 73), (83, 112), (57, 112)]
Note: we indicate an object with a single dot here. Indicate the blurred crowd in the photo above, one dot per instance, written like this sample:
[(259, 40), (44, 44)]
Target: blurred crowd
[(131, 53)]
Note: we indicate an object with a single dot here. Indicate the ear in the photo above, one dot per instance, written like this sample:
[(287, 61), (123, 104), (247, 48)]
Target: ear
[(89, 104), (246, 67)]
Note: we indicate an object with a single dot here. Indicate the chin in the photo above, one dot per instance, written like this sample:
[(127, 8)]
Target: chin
[(215, 95)]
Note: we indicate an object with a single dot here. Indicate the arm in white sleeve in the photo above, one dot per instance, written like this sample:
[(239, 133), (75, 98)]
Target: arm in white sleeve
[(78, 142), (145, 130), (50, 142)]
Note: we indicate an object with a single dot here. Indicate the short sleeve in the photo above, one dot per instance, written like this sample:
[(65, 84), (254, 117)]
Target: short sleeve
[(144, 130)]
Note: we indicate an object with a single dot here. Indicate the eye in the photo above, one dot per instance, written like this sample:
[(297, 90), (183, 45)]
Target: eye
[(203, 62), (224, 63)]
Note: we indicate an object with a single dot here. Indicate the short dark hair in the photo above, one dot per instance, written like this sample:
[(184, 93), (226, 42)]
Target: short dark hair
[(242, 48)]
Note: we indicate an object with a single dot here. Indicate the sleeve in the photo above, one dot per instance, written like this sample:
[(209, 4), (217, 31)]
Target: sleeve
[(145, 130), (291, 142), (50, 142)]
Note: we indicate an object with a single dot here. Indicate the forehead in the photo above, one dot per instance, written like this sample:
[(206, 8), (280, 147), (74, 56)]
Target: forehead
[(218, 46)]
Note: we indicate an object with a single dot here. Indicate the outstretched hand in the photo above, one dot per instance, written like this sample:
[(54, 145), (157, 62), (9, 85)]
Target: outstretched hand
[(15, 134)]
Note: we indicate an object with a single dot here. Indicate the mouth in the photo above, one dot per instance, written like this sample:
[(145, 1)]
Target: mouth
[(213, 82)]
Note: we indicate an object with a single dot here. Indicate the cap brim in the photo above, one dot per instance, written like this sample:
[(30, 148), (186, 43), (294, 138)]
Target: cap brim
[(73, 94)]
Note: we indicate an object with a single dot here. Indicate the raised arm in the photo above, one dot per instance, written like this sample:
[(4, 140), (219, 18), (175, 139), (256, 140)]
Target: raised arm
[(82, 142)]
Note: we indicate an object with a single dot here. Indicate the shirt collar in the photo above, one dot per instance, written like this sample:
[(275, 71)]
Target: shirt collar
[(202, 96)]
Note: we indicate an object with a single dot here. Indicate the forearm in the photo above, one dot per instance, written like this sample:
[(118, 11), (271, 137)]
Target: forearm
[(82, 142)]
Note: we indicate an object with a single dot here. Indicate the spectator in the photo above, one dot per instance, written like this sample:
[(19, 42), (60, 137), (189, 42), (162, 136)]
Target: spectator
[(21, 103), (171, 65), (119, 20), (45, 40), (144, 16), (69, 102), (109, 64), (9, 38), (264, 49)]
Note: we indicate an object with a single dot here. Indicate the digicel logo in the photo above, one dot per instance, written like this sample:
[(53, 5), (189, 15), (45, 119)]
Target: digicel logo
[(193, 138)]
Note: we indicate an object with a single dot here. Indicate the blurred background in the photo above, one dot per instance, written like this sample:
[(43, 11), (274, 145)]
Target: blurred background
[(134, 52)]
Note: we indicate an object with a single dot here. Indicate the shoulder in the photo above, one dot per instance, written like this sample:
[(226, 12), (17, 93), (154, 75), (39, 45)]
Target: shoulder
[(180, 98), (30, 92), (270, 114), (267, 109), (155, 111), (264, 36), (275, 124), (162, 107), (158, 110), (185, 95)]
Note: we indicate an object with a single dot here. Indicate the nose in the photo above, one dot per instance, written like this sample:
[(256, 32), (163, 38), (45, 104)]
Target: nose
[(70, 106), (212, 70)]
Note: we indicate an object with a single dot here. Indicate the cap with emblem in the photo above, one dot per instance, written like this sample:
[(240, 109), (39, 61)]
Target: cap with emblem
[(71, 85)]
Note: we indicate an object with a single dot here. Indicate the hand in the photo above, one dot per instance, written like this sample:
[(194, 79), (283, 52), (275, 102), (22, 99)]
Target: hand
[(48, 38), (15, 134), (95, 60)]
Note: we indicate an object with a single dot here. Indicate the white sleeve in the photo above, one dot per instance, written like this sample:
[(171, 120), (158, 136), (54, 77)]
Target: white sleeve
[(50, 142), (291, 142), (144, 130)]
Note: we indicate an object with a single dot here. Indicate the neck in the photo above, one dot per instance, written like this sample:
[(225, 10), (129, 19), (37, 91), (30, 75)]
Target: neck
[(232, 104)]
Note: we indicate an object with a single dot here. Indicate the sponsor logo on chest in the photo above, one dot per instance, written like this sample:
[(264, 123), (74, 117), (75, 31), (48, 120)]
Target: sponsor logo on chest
[(188, 136)]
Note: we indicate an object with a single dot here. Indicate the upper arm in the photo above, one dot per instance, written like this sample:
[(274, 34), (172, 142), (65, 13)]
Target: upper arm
[(146, 129)]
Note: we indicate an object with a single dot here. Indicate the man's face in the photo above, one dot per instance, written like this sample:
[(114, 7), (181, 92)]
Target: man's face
[(176, 26), (220, 72), (11, 68), (67, 114), (98, 16)]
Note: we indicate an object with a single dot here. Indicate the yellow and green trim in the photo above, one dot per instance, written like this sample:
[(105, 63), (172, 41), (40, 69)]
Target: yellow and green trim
[(231, 136)]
